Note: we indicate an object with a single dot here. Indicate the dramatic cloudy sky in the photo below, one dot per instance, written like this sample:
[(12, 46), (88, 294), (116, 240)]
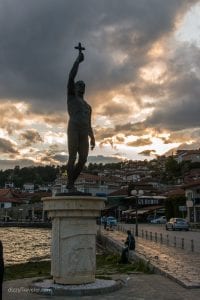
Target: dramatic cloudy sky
[(141, 70)]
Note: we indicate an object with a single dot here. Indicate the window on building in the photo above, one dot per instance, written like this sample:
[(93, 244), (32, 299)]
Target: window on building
[(189, 195)]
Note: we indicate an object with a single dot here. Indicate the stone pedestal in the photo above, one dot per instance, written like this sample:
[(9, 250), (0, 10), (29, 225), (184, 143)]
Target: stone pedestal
[(73, 250)]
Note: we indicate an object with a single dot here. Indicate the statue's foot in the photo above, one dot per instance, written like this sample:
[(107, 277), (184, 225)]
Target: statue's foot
[(72, 191)]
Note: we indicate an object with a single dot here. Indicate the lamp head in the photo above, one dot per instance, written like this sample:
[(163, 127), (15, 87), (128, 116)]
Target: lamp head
[(134, 193), (140, 192)]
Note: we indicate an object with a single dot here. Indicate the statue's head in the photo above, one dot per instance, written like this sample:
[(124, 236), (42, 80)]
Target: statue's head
[(80, 88)]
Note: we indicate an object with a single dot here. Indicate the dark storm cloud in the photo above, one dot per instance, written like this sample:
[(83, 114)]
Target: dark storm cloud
[(125, 129), (181, 109), (31, 136), (139, 143), (131, 129), (102, 133), (37, 39), (111, 109), (148, 152), (53, 155), (7, 147)]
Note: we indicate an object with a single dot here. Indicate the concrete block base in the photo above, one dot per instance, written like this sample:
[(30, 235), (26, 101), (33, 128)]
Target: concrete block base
[(73, 250)]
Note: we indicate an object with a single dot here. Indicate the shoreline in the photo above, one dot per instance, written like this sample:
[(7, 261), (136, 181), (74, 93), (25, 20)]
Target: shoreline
[(26, 224)]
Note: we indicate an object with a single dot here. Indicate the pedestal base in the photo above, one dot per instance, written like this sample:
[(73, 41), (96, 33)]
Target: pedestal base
[(73, 250), (99, 287)]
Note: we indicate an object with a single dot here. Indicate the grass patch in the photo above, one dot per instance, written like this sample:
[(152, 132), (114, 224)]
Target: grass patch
[(106, 264), (26, 270)]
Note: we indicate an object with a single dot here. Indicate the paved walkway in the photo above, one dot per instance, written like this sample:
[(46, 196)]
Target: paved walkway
[(177, 264), (136, 287)]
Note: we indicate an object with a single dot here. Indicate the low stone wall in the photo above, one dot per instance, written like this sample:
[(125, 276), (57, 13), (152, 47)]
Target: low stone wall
[(115, 246)]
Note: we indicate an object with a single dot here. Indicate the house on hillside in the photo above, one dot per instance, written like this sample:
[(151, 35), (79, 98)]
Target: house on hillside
[(176, 191), (28, 187), (60, 183), (9, 185), (8, 199), (97, 185), (133, 177), (22, 206), (192, 175), (188, 155)]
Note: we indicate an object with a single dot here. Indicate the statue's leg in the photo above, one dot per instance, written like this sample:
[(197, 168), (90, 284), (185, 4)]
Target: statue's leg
[(83, 150), (72, 149)]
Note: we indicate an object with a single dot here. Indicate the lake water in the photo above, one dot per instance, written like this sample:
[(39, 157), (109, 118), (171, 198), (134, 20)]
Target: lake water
[(25, 244)]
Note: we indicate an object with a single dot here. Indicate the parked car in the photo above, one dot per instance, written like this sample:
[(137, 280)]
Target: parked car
[(6, 219), (177, 223), (111, 221), (160, 220), (151, 217)]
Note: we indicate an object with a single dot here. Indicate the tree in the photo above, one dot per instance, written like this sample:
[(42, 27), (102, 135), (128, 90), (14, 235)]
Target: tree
[(172, 206), (172, 170)]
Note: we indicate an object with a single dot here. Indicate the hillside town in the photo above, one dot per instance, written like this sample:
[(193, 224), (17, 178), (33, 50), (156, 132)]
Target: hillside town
[(167, 186)]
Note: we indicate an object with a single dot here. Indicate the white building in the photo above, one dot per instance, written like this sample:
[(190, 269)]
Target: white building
[(192, 193), (28, 187), (96, 185)]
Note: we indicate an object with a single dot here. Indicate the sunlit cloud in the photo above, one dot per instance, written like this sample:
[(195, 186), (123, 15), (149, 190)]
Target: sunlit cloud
[(55, 138), (157, 50), (154, 72)]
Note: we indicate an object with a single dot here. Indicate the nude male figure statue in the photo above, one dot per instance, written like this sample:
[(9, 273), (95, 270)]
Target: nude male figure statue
[(79, 126)]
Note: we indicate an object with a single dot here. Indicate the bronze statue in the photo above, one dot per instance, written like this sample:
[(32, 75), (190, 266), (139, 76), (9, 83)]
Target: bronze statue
[(79, 125)]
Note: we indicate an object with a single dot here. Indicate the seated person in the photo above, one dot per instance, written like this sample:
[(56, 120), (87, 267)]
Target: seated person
[(130, 245)]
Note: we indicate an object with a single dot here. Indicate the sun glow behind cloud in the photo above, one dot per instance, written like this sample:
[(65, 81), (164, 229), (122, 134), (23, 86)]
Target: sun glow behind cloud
[(154, 72), (157, 50)]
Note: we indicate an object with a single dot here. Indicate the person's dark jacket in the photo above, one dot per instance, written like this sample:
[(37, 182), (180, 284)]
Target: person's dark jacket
[(130, 242)]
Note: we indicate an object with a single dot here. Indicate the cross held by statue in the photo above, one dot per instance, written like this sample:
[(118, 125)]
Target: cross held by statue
[(79, 47)]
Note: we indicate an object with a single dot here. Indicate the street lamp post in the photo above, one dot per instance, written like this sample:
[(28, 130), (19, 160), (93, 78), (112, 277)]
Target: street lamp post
[(21, 210), (137, 194)]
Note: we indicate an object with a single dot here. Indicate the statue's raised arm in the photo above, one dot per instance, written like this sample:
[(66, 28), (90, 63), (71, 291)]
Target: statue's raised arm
[(74, 70)]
